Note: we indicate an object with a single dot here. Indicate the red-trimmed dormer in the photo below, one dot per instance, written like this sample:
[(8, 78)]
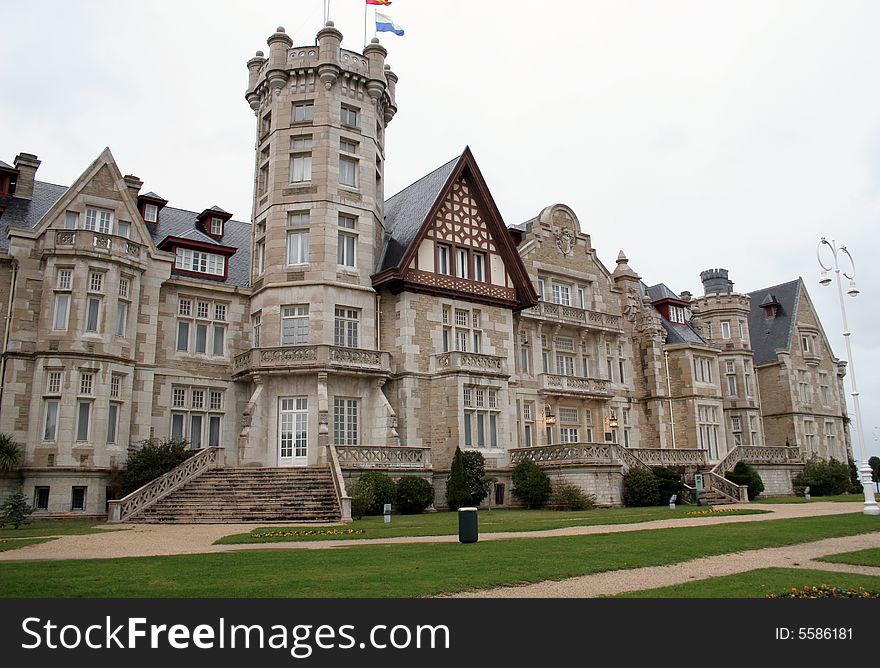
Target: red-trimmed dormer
[(213, 221), (150, 204), (671, 306), (196, 258)]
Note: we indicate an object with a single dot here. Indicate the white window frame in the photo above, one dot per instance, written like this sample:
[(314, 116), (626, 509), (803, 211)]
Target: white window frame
[(295, 325)]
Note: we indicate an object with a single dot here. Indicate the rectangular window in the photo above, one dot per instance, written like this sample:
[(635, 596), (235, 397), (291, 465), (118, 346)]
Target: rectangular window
[(196, 422), (729, 366), (300, 167), (214, 423), (86, 383), (201, 343), (64, 279), (725, 329), (121, 318), (96, 281), (216, 400), (810, 435), (114, 386), (84, 411), (123, 229), (177, 427), (198, 398), (703, 369), (50, 427), (297, 247), (731, 386), (345, 328), (539, 288), (443, 259), (217, 226), (565, 365), (182, 336), (71, 220), (348, 168), (151, 213), (345, 421), (62, 311), (178, 397), (349, 116), (266, 124), (257, 326), (219, 341), (561, 294), (345, 249), (480, 267), (123, 288), (78, 498), (199, 262), (260, 260), (112, 421), (830, 438), (41, 498), (347, 145), (462, 265), (99, 220), (621, 367), (568, 415), (568, 434), (53, 383), (202, 309), (295, 325), (303, 112)]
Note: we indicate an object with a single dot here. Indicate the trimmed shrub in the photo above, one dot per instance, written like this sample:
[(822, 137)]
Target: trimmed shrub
[(375, 489), (15, 510), (153, 458), (474, 476), (414, 495), (362, 498), (824, 477), (746, 474), (530, 484), (568, 496), (668, 483), (457, 493), (641, 488)]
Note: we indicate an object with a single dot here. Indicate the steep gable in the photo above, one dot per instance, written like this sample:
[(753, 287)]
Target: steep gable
[(769, 334), (450, 239)]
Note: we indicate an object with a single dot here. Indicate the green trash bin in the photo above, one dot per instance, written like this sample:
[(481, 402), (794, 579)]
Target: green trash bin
[(467, 525)]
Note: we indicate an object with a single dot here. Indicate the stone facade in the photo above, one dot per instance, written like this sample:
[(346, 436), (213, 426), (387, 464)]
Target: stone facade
[(393, 331)]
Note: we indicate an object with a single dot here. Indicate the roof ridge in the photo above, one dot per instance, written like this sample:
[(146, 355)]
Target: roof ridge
[(771, 287)]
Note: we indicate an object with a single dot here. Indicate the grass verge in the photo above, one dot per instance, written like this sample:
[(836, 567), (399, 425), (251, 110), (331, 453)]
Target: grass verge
[(869, 557), (7, 544), (446, 524), (840, 498), (758, 584), (406, 570), (39, 528)]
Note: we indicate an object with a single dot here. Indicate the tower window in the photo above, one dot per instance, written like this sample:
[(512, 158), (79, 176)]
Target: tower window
[(348, 168), (349, 116), (266, 124), (303, 112)]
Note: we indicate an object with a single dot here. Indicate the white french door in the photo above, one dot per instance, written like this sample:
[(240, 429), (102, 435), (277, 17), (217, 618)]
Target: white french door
[(293, 431)]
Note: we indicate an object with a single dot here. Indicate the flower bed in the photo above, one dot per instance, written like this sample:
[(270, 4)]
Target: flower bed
[(713, 511), (298, 533), (824, 591)]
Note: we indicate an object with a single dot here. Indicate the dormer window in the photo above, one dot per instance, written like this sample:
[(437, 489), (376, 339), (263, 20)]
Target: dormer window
[(200, 262), (216, 226), (151, 213)]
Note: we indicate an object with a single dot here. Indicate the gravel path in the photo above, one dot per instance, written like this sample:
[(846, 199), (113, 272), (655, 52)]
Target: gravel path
[(139, 540), (618, 582)]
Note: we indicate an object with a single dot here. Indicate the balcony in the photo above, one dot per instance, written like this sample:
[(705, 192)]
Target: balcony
[(85, 241), (574, 386), (383, 457), (469, 362), (569, 315), (309, 358)]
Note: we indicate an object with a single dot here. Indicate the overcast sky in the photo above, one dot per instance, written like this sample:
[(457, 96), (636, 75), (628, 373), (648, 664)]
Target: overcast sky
[(690, 134)]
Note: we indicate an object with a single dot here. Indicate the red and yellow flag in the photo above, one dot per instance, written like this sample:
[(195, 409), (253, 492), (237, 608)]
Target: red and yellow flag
[(383, 3)]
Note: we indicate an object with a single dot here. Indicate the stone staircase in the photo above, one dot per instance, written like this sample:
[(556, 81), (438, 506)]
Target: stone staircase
[(226, 495)]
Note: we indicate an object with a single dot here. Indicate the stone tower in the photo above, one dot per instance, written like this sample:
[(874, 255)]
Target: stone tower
[(315, 369), (722, 318)]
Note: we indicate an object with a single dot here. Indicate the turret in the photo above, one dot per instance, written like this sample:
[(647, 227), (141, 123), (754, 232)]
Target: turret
[(278, 43), (715, 281)]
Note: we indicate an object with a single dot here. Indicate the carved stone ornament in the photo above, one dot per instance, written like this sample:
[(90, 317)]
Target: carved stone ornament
[(564, 231), (631, 309)]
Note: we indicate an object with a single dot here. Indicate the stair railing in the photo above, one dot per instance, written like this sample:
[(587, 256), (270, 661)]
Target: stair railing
[(155, 490), (720, 484), (342, 497)]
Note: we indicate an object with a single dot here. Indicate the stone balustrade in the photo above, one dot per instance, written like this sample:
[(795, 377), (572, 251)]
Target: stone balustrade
[(311, 357), (574, 385), (383, 457), (566, 453), (560, 313), (671, 457), (462, 361), (89, 240), (146, 496)]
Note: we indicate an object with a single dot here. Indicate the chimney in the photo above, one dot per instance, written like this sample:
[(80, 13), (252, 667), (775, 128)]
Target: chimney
[(134, 184), (715, 282), (27, 165)]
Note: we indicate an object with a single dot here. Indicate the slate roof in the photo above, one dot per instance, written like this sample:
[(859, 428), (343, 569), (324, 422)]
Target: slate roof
[(5, 166), (770, 335), (406, 211), (678, 333), (661, 291), (172, 223), (26, 213)]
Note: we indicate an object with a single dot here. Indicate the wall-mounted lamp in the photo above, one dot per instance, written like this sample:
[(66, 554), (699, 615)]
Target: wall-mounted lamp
[(549, 417)]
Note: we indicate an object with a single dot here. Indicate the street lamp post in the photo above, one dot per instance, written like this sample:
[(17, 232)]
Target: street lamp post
[(871, 507)]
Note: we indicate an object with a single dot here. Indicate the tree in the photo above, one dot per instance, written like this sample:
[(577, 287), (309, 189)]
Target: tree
[(152, 459), (855, 483), (641, 488), (10, 454), (15, 510), (824, 478), (474, 476), (668, 482), (874, 463), (457, 493), (530, 484)]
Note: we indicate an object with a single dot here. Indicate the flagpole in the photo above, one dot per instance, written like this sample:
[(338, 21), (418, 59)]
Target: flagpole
[(375, 30), (365, 23)]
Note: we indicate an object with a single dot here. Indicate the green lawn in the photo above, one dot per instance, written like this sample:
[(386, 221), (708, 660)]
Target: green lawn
[(407, 570), (870, 557), (55, 528), (444, 524), (758, 584), (843, 498), (15, 543)]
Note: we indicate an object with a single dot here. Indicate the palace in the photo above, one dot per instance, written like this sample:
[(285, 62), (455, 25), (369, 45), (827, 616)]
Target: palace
[(341, 332)]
